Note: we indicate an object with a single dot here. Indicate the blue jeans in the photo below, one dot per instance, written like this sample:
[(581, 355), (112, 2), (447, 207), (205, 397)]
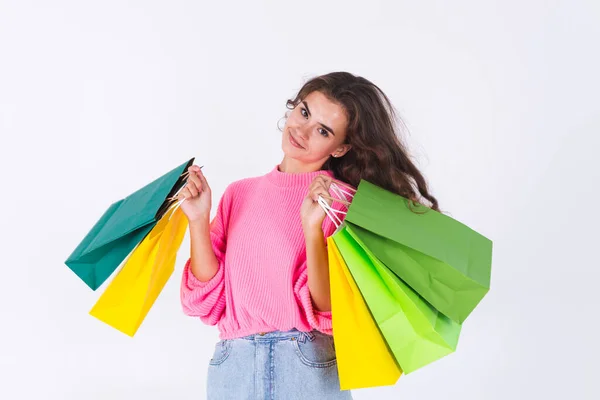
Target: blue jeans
[(290, 365)]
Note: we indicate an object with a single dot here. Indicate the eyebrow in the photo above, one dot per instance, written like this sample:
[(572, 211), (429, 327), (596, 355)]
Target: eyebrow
[(322, 124)]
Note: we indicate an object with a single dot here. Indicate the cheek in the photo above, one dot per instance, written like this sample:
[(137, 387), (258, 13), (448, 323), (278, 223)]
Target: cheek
[(292, 114), (321, 147), (293, 120)]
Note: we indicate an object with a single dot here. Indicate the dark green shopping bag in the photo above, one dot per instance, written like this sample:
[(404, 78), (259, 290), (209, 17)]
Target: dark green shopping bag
[(123, 226), (416, 333), (445, 261)]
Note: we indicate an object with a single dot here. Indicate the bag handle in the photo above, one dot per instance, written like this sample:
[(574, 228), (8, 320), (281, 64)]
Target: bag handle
[(173, 202), (342, 194), (335, 186)]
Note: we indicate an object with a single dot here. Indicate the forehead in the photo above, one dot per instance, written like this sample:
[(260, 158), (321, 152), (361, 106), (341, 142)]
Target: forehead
[(325, 110)]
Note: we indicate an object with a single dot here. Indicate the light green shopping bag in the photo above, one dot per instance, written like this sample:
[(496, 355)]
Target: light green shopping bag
[(416, 333)]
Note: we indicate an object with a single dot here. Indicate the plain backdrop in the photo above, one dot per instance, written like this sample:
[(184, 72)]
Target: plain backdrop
[(99, 98)]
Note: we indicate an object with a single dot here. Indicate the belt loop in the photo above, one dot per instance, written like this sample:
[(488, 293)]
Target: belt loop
[(311, 336), (302, 337)]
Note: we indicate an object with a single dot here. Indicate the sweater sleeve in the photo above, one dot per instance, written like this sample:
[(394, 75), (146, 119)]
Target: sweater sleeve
[(206, 300), (320, 320)]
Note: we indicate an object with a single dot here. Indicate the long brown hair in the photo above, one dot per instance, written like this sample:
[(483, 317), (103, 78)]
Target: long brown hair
[(377, 154)]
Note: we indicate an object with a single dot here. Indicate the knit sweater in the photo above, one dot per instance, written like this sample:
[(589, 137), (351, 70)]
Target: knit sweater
[(261, 284)]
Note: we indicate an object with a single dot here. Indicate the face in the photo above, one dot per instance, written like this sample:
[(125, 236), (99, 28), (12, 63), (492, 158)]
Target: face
[(315, 130)]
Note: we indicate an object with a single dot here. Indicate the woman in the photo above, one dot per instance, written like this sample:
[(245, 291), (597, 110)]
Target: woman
[(259, 269)]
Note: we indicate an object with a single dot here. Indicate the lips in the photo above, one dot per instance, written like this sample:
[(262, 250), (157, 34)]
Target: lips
[(294, 142)]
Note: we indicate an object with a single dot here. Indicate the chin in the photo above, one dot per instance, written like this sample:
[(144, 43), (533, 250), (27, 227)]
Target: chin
[(290, 152), (287, 147)]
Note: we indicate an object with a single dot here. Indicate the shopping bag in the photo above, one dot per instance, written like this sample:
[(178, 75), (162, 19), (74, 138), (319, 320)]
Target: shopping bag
[(123, 226), (416, 333), (445, 261), (130, 295), (363, 358)]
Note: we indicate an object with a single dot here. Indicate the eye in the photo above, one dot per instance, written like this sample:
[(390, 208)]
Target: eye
[(323, 132)]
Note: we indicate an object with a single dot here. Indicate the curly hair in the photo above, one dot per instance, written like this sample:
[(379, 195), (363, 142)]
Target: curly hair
[(377, 154)]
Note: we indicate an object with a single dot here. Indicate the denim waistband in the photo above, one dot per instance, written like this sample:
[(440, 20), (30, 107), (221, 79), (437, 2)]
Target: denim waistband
[(281, 335)]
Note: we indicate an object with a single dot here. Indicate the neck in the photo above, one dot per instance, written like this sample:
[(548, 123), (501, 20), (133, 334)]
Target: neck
[(290, 165)]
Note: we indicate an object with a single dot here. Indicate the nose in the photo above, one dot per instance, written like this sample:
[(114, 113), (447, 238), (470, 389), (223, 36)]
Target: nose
[(303, 132)]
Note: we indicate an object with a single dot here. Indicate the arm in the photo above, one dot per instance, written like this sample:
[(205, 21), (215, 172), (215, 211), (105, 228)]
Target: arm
[(317, 263), (313, 286), (204, 263), (203, 283)]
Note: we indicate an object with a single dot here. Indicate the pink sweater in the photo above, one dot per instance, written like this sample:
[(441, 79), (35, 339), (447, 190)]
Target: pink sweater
[(262, 281)]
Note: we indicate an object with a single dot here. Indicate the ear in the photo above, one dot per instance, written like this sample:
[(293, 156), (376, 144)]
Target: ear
[(341, 150)]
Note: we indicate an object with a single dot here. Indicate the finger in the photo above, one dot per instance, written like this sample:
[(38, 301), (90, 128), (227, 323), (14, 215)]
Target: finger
[(323, 186), (196, 181), (184, 194), (203, 180), (191, 170), (321, 181), (194, 191), (317, 182), (323, 177), (326, 180), (318, 191), (314, 187)]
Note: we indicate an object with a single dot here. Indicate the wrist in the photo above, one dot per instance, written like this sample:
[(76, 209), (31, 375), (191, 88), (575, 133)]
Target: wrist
[(199, 222), (312, 231)]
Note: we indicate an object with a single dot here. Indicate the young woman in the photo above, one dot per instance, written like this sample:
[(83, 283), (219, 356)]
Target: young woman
[(259, 269)]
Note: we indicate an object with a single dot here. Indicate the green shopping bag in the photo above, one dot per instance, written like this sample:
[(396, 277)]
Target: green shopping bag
[(123, 226), (445, 261), (416, 333)]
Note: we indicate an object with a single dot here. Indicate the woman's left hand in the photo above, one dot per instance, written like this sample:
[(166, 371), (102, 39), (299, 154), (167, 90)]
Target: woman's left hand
[(311, 211)]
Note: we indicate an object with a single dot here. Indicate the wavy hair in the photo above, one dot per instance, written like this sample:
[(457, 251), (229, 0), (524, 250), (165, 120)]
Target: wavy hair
[(377, 154)]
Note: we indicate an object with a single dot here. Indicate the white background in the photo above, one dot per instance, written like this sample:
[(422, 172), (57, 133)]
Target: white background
[(98, 98)]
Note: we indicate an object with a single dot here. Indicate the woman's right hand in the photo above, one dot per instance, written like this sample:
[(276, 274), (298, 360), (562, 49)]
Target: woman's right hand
[(197, 195)]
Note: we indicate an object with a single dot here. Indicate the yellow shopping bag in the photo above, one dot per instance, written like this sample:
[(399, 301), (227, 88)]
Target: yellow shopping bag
[(363, 357), (131, 294)]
